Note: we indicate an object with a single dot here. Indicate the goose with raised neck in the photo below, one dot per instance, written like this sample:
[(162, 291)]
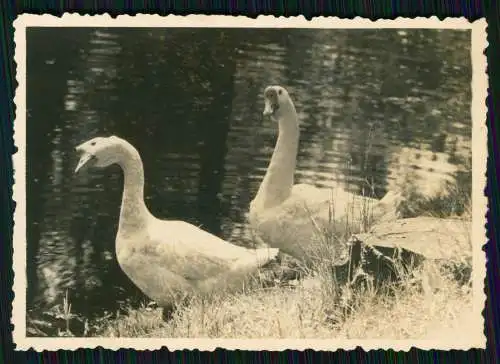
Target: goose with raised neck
[(278, 181), (287, 216), (167, 259)]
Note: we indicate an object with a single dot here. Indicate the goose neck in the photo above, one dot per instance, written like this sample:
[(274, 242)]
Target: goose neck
[(134, 213), (279, 179)]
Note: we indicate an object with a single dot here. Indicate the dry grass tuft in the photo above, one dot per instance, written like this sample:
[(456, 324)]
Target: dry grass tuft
[(307, 311)]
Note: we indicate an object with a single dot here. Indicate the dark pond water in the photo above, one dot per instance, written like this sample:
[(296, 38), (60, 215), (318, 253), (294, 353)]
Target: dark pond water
[(191, 103)]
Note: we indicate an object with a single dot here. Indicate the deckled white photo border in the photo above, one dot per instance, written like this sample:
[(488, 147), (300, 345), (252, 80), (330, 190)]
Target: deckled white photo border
[(479, 146)]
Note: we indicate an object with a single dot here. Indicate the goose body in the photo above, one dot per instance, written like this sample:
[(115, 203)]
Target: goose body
[(295, 217), (167, 260), (168, 267)]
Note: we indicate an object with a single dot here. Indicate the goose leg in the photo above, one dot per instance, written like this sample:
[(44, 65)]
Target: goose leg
[(167, 313)]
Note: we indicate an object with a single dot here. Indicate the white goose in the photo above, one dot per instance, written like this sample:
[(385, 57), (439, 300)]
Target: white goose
[(290, 217), (167, 260)]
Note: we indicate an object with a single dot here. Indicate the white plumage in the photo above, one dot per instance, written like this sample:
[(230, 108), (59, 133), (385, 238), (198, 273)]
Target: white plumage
[(292, 217), (167, 260)]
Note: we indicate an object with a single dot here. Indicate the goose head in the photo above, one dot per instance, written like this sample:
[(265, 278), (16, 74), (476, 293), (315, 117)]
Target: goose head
[(99, 152), (277, 103)]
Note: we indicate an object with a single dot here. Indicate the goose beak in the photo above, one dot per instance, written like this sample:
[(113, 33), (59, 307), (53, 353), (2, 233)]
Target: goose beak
[(270, 108), (84, 159), (271, 101)]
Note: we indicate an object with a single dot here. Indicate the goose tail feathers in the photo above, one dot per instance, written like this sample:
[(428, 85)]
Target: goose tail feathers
[(265, 255)]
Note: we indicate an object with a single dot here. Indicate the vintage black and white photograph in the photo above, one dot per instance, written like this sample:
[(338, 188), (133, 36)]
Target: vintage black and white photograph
[(213, 177)]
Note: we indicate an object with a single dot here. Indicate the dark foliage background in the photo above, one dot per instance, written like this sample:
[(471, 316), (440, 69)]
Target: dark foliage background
[(345, 9)]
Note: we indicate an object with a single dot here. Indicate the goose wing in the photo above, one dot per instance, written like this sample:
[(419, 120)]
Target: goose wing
[(196, 254), (307, 200)]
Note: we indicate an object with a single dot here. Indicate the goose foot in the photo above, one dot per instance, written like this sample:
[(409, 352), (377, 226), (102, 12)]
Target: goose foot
[(167, 313)]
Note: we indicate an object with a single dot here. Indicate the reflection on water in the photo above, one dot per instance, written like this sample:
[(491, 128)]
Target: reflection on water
[(373, 104)]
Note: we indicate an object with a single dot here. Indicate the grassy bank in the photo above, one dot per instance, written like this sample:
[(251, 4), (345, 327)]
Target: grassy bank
[(424, 304), (307, 311), (427, 302)]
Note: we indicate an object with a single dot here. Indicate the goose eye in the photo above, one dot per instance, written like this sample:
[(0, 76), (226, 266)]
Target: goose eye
[(92, 143), (280, 92)]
